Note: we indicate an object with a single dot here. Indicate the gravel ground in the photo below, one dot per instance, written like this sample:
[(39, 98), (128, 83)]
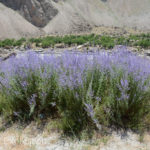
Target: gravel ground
[(5, 53), (32, 138)]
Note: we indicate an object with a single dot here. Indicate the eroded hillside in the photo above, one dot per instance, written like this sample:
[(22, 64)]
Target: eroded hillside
[(70, 16), (38, 12)]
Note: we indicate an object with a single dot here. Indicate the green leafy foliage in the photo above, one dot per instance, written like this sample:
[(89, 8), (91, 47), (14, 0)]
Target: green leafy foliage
[(107, 42)]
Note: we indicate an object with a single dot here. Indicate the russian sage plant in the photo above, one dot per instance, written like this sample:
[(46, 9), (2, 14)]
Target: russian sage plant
[(82, 89)]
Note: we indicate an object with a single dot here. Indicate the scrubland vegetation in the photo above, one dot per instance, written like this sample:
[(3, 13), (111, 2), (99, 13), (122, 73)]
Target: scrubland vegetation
[(107, 42), (92, 91)]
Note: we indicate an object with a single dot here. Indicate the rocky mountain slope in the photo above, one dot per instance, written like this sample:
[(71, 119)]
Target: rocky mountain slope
[(12, 25), (38, 12), (34, 17)]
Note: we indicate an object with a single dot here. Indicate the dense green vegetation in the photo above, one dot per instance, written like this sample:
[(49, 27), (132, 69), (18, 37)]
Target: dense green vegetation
[(12, 42), (107, 42)]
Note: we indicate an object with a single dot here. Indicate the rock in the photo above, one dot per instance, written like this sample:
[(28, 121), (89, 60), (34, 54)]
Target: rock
[(133, 49), (61, 45), (38, 12), (10, 55), (147, 52), (82, 46)]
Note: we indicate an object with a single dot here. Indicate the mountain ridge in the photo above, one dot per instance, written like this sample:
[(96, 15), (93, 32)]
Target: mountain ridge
[(71, 16)]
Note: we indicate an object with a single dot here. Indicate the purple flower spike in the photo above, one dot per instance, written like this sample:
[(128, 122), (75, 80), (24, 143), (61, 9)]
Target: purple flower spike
[(32, 100)]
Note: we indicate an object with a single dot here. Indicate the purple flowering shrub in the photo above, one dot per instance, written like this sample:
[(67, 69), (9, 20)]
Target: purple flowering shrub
[(130, 101), (82, 89), (29, 88)]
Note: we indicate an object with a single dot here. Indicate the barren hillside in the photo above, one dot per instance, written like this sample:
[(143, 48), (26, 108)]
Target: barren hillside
[(12, 25), (67, 16)]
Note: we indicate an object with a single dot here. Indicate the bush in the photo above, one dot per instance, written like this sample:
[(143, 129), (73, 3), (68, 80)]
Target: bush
[(128, 101), (121, 41), (19, 42), (35, 40), (1, 44), (31, 93), (83, 90), (7, 42), (107, 42), (70, 101), (144, 43), (45, 44), (134, 37)]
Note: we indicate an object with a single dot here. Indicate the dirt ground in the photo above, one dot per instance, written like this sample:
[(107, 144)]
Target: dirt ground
[(31, 137)]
